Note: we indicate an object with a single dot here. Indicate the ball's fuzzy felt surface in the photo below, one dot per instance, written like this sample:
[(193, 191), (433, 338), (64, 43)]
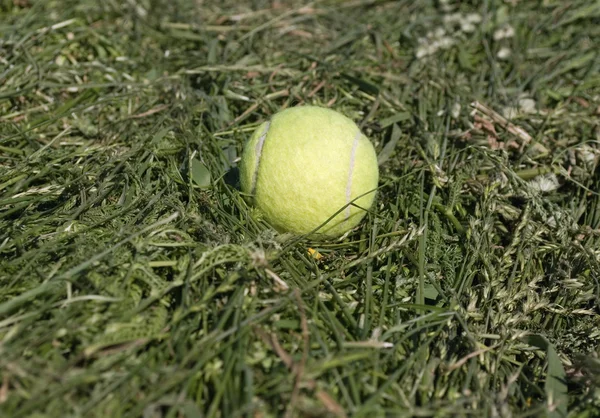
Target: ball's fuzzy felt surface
[(306, 164)]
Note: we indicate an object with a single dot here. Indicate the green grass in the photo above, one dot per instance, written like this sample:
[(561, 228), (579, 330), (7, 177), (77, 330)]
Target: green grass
[(136, 281)]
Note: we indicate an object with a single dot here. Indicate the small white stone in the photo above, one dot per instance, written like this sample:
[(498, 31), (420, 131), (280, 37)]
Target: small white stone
[(504, 32), (439, 32), (453, 17), (467, 26), (474, 18), (527, 105), (504, 53)]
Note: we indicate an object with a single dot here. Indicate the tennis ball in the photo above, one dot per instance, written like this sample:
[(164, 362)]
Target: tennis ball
[(306, 164)]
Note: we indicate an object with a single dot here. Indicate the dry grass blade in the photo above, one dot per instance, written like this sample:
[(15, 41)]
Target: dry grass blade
[(515, 130)]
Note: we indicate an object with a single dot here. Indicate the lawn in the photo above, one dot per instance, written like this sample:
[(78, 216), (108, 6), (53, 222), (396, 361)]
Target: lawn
[(137, 281)]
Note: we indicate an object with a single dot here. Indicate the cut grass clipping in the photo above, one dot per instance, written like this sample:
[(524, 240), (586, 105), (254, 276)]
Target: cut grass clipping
[(136, 281)]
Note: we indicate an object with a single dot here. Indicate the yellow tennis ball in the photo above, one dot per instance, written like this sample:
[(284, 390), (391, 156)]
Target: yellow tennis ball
[(306, 164)]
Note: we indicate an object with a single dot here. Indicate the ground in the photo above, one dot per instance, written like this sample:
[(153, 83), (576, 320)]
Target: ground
[(136, 280)]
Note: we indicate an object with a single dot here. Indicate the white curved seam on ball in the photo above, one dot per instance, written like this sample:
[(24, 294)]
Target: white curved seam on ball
[(258, 151), (350, 172)]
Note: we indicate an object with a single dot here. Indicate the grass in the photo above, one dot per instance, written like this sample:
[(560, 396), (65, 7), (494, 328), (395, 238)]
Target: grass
[(135, 280)]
